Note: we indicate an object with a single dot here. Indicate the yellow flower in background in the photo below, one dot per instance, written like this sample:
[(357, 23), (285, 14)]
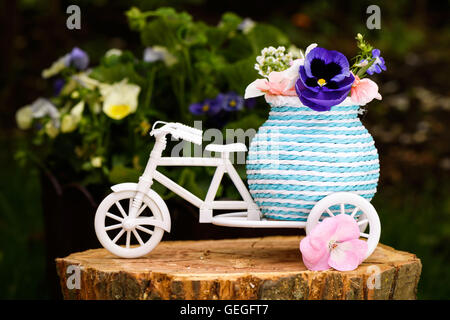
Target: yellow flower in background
[(24, 117), (144, 127), (51, 130), (70, 121), (119, 99), (96, 162), (56, 67), (113, 52)]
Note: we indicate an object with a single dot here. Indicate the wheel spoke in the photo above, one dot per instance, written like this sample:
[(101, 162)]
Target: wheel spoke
[(128, 239), (144, 229), (121, 209), (354, 212), (342, 208), (364, 235), (118, 235), (113, 216), (141, 209), (363, 222), (138, 237), (330, 213), (113, 226)]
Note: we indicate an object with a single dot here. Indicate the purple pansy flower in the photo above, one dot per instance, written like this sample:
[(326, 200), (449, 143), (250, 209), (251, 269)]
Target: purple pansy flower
[(208, 106), (78, 58), (230, 101), (378, 65), (325, 79)]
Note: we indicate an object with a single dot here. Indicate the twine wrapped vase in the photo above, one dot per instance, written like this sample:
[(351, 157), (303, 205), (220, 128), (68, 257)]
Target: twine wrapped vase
[(299, 156)]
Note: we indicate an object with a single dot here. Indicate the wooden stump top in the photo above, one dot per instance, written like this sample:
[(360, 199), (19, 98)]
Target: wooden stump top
[(255, 268)]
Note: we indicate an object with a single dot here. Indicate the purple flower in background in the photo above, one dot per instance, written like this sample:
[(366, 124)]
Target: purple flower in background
[(378, 65), (58, 84), (325, 79), (208, 106), (230, 101), (78, 58)]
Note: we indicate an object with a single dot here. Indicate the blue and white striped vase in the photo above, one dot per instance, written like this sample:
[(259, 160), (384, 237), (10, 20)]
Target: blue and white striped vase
[(299, 156)]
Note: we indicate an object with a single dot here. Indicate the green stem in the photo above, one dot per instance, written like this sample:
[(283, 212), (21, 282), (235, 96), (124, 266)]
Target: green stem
[(363, 70)]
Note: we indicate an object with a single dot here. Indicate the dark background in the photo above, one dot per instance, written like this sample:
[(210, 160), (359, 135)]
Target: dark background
[(409, 125)]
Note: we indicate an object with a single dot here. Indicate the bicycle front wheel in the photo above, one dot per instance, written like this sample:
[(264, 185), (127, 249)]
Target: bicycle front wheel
[(125, 236)]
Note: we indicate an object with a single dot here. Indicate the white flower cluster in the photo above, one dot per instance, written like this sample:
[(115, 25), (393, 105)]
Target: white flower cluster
[(273, 59)]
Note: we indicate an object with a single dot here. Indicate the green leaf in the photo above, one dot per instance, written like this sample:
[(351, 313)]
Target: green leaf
[(116, 73), (120, 173), (240, 74), (189, 180), (264, 35)]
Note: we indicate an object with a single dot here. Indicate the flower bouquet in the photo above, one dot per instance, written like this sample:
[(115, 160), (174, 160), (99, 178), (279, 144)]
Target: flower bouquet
[(313, 143)]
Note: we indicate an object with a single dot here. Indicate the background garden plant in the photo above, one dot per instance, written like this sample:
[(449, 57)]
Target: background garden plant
[(96, 125), (408, 125)]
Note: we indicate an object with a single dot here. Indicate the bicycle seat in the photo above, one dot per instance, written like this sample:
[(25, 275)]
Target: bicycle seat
[(231, 147)]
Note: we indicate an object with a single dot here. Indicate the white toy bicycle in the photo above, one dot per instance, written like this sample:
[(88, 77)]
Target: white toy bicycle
[(136, 211)]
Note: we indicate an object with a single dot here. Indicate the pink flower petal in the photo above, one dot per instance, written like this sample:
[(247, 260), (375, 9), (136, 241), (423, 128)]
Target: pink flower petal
[(363, 91), (324, 231), (276, 76), (261, 84), (346, 229), (348, 255), (313, 254), (319, 265)]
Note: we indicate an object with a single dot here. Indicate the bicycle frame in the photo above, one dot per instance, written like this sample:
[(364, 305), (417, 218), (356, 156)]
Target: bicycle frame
[(223, 165)]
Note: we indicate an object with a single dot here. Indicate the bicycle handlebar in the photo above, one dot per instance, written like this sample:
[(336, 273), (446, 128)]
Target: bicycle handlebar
[(178, 130)]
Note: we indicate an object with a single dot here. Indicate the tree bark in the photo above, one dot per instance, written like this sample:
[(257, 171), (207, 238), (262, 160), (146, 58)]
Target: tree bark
[(256, 268)]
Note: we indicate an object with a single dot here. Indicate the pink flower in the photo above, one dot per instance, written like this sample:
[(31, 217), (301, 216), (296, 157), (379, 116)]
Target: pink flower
[(278, 83), (363, 91), (334, 243)]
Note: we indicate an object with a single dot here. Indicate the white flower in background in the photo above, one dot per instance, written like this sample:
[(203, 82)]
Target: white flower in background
[(113, 52), (83, 79), (77, 58), (157, 53), (246, 25), (96, 108), (42, 107), (56, 67), (119, 99), (51, 130), (96, 162), (70, 121), (24, 117)]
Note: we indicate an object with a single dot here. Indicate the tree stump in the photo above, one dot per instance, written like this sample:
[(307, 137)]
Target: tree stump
[(255, 268)]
